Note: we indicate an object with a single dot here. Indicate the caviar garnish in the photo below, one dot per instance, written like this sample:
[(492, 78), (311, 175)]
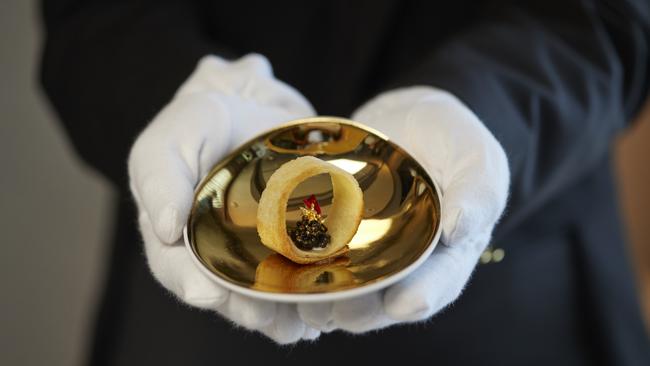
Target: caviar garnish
[(310, 233)]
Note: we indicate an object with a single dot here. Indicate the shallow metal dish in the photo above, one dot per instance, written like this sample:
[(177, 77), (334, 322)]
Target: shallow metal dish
[(399, 229)]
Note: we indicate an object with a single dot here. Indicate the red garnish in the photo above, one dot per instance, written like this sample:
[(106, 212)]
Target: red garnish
[(312, 200)]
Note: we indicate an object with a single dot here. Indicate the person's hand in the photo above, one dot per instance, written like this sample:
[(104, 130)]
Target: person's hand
[(220, 106), (471, 169)]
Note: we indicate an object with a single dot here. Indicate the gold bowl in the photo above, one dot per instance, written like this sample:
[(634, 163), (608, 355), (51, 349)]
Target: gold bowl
[(399, 229)]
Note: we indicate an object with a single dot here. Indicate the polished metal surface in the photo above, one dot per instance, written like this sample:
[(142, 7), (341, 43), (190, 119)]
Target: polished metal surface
[(400, 221)]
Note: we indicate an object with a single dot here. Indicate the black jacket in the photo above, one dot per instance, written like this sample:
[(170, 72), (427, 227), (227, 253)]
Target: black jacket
[(554, 81)]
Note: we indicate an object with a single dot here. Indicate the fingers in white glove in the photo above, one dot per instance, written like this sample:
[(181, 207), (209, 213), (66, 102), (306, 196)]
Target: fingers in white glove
[(248, 312), (278, 321), (361, 314), (173, 268), (311, 334), (164, 165), (250, 77), (168, 156), (455, 148), (431, 287), (250, 119), (287, 326), (410, 300), (476, 172), (220, 106), (317, 315), (471, 169), (387, 111), (356, 315)]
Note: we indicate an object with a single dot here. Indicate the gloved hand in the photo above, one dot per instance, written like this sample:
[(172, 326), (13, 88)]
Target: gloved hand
[(220, 106), (471, 169)]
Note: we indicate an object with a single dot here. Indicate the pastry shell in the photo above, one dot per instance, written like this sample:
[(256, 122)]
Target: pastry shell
[(344, 214)]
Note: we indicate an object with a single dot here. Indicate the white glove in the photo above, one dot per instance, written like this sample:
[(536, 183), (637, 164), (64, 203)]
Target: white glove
[(220, 106), (471, 169)]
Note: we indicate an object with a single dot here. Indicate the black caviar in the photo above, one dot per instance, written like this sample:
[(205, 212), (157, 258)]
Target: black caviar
[(309, 234)]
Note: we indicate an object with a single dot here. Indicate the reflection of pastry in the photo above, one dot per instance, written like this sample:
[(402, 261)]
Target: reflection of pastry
[(278, 274), (342, 222)]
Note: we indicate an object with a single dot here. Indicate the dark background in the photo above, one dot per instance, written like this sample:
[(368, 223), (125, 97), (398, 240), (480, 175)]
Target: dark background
[(55, 211)]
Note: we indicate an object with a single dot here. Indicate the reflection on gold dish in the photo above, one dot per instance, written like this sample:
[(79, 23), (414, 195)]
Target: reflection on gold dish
[(278, 274), (399, 225)]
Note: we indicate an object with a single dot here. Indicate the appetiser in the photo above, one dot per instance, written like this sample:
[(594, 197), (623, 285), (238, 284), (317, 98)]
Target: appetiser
[(314, 238)]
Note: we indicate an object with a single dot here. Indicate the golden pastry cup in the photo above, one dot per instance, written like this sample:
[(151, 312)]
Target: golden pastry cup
[(343, 220)]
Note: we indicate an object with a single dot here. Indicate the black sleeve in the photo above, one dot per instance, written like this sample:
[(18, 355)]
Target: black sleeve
[(552, 80), (109, 66)]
